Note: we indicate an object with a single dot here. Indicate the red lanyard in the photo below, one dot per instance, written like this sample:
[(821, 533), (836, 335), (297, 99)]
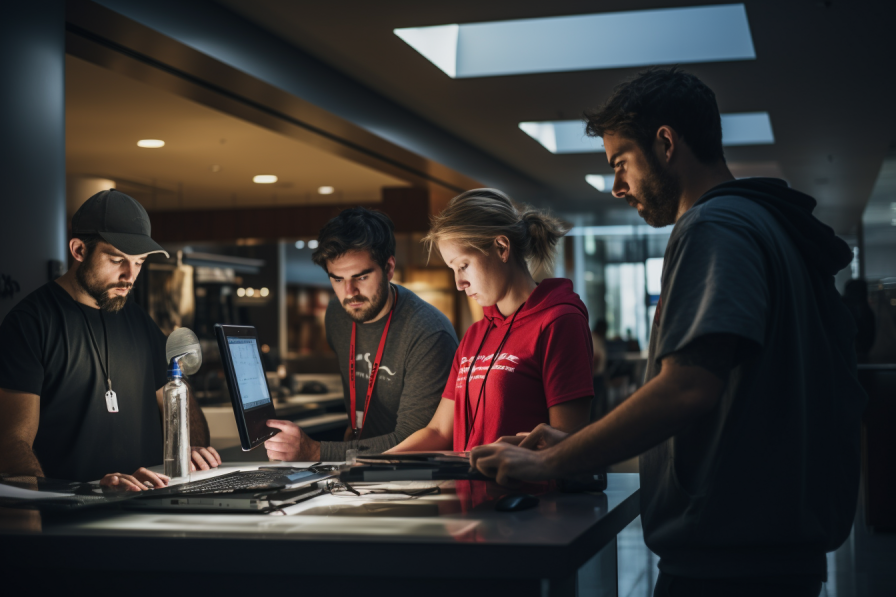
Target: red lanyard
[(373, 371)]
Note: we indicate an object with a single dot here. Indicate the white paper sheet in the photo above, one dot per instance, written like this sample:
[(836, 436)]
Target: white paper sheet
[(8, 491)]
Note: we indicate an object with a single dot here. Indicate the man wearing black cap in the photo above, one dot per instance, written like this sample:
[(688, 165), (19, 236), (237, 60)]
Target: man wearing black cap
[(82, 368)]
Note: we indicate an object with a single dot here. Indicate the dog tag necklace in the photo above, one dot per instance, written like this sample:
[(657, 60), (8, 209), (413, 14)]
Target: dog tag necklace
[(111, 397)]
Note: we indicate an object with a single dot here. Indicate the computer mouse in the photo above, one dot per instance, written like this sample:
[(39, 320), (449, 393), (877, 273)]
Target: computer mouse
[(515, 502), (313, 387)]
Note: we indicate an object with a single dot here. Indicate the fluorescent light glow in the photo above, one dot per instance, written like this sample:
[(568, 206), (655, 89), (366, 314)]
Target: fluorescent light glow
[(437, 44), (601, 182), (543, 132), (312, 244), (264, 179), (150, 143), (568, 136), (586, 42), (300, 244), (326, 190), (640, 230), (747, 128)]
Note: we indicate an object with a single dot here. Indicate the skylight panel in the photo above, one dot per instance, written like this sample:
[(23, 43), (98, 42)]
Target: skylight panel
[(747, 128), (568, 136), (586, 42), (601, 182)]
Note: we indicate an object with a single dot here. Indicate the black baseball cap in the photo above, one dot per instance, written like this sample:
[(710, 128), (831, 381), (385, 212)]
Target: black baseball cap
[(119, 220)]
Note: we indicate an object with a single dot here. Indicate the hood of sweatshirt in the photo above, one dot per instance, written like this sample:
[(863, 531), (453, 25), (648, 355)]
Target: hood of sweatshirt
[(819, 246), (549, 293)]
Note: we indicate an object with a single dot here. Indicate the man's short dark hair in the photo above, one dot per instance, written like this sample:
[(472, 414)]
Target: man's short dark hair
[(90, 241), (662, 97), (356, 229)]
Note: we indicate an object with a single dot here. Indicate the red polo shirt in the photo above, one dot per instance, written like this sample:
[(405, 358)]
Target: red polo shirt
[(545, 361)]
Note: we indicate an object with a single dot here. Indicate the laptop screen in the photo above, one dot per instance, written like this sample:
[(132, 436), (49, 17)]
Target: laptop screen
[(248, 372)]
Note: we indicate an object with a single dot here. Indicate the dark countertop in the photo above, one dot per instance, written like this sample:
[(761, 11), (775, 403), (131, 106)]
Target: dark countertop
[(460, 525)]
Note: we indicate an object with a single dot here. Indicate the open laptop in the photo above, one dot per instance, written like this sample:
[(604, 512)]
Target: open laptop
[(267, 488), (262, 490)]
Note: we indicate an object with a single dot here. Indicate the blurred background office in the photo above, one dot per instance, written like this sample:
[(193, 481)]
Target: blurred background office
[(243, 126)]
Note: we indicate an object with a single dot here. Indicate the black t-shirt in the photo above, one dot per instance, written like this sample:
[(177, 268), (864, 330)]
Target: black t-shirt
[(766, 482), (46, 349)]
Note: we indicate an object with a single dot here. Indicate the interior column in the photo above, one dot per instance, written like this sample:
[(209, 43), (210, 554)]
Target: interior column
[(32, 129)]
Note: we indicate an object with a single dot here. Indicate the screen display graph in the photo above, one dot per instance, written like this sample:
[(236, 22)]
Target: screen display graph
[(248, 372)]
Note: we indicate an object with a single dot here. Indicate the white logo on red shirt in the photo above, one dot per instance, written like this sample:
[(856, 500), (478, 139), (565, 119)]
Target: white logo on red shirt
[(482, 365)]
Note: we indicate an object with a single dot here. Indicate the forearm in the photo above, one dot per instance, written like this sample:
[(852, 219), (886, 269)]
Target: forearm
[(426, 439), (18, 458), (656, 412), (372, 445)]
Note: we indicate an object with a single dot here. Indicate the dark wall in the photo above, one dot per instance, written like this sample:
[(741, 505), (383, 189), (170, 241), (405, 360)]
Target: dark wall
[(32, 128)]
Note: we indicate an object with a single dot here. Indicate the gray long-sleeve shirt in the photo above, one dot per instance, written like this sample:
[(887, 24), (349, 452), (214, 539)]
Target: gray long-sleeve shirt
[(413, 372)]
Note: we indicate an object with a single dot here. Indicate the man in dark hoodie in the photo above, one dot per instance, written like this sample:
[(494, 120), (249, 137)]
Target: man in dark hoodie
[(749, 420)]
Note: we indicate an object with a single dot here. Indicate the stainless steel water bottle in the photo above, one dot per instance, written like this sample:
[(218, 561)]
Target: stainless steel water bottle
[(177, 425)]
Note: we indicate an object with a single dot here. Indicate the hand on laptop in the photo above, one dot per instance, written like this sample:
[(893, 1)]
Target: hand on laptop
[(543, 436), (203, 459), (508, 463), (139, 481), (291, 444)]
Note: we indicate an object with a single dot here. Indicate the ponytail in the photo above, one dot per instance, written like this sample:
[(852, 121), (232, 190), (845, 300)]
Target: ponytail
[(476, 218)]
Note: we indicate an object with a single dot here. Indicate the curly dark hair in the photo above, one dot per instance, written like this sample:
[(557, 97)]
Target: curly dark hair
[(658, 97), (356, 229)]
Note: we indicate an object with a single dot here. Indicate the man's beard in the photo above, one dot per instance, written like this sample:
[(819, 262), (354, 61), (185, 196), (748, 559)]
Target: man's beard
[(375, 305), (87, 278), (660, 194)]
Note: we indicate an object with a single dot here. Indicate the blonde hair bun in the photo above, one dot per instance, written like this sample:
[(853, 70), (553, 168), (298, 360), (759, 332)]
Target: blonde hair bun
[(477, 217)]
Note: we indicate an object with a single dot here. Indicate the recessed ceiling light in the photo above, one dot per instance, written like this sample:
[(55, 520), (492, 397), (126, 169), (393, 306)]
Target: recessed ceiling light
[(264, 179), (568, 136), (150, 143), (326, 190), (586, 42), (312, 244)]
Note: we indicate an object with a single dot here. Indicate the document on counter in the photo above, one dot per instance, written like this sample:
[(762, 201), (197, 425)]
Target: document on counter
[(18, 493)]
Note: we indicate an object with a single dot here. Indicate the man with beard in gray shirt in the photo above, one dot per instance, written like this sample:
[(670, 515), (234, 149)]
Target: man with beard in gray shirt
[(395, 350)]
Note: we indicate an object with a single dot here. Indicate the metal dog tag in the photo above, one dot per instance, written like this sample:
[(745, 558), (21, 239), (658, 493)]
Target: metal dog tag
[(111, 402)]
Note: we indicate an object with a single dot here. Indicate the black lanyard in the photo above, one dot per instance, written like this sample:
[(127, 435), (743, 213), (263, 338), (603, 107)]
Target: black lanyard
[(106, 367), (495, 356)]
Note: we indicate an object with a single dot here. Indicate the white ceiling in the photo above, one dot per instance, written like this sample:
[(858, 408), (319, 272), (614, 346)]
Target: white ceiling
[(107, 113)]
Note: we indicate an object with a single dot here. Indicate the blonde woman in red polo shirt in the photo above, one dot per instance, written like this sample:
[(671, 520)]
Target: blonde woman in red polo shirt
[(528, 361)]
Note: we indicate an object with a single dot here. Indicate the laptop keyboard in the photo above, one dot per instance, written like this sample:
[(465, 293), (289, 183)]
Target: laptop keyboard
[(236, 481)]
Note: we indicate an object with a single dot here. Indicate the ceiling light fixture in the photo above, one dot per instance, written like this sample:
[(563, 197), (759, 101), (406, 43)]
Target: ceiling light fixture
[(586, 42), (264, 179), (601, 182), (300, 244), (312, 244), (568, 136), (150, 143), (326, 190)]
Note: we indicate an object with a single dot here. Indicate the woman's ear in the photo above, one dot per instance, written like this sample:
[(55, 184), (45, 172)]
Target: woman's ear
[(502, 247)]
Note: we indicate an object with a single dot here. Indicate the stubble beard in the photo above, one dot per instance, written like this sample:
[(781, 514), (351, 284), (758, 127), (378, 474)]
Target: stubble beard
[(89, 282), (660, 194), (375, 305)]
